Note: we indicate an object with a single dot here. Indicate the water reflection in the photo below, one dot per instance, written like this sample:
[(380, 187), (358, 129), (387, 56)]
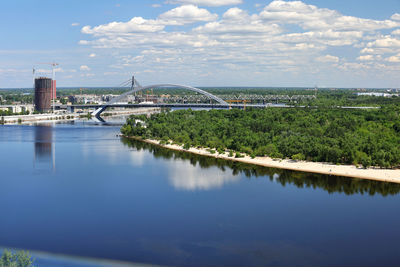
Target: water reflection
[(183, 176), (44, 147), (331, 184)]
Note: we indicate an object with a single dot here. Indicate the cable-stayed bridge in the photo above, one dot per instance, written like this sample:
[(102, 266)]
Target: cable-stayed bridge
[(136, 87)]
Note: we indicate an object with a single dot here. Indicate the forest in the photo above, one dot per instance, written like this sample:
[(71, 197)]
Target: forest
[(339, 136)]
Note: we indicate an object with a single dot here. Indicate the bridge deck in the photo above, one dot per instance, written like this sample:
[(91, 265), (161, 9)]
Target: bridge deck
[(178, 105)]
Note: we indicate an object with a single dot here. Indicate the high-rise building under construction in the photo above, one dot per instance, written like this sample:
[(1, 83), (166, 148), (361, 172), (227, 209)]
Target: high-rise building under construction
[(43, 94)]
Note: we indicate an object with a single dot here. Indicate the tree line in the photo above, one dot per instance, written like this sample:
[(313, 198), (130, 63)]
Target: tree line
[(359, 137)]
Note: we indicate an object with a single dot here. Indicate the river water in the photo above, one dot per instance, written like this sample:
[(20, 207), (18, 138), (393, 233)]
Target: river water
[(78, 189)]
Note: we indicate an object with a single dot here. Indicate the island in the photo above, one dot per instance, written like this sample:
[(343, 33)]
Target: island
[(344, 142)]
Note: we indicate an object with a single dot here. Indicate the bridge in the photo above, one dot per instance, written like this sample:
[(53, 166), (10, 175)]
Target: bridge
[(174, 105), (136, 87)]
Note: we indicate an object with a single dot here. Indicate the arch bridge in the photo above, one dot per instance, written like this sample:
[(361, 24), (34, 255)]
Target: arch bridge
[(136, 87)]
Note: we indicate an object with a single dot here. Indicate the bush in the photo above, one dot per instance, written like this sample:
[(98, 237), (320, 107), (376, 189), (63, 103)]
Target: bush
[(298, 156), (18, 259), (238, 155)]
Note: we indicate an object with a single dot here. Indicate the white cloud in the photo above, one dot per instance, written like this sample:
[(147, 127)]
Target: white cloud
[(206, 2), (84, 68), (220, 28), (393, 59), (367, 50), (311, 17), (87, 75), (235, 13), (155, 5), (17, 71), (187, 14), (395, 16), (396, 32), (135, 25), (366, 58), (92, 55), (262, 42), (74, 24), (328, 58), (353, 66), (386, 41)]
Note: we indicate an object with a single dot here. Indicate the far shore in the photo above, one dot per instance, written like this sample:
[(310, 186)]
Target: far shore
[(50, 117), (384, 175)]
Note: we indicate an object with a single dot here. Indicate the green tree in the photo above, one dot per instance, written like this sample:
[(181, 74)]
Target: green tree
[(17, 259), (298, 156)]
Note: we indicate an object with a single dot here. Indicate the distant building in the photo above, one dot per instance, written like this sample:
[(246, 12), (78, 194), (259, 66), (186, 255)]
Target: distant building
[(147, 98), (18, 108), (88, 99), (43, 94), (377, 94)]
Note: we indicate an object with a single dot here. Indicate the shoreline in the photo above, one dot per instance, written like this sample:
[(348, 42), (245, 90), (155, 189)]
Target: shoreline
[(350, 171), (50, 117)]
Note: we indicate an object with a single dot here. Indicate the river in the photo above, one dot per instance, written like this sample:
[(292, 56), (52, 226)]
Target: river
[(77, 189)]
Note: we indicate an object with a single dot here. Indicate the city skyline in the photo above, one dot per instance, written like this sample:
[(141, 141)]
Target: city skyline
[(203, 42)]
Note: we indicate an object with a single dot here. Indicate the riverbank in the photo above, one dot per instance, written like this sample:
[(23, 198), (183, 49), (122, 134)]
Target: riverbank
[(351, 171), (21, 119)]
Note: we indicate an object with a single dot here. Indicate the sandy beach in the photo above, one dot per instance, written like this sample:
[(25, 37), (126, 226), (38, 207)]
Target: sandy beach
[(384, 175)]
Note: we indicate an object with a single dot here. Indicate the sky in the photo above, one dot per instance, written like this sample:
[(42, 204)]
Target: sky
[(328, 43)]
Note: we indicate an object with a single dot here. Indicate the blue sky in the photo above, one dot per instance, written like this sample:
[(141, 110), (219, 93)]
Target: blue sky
[(332, 43)]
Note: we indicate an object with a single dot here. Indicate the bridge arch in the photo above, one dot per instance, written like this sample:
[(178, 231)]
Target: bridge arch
[(141, 88)]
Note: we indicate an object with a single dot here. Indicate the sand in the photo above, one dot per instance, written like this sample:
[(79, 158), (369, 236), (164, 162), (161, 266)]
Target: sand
[(385, 175)]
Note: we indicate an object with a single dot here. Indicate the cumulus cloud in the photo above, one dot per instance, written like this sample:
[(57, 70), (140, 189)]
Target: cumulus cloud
[(386, 41), (239, 40), (84, 68), (366, 58), (395, 16), (328, 58), (312, 17), (396, 32), (187, 14), (207, 2), (235, 13), (349, 66), (135, 25), (393, 59)]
